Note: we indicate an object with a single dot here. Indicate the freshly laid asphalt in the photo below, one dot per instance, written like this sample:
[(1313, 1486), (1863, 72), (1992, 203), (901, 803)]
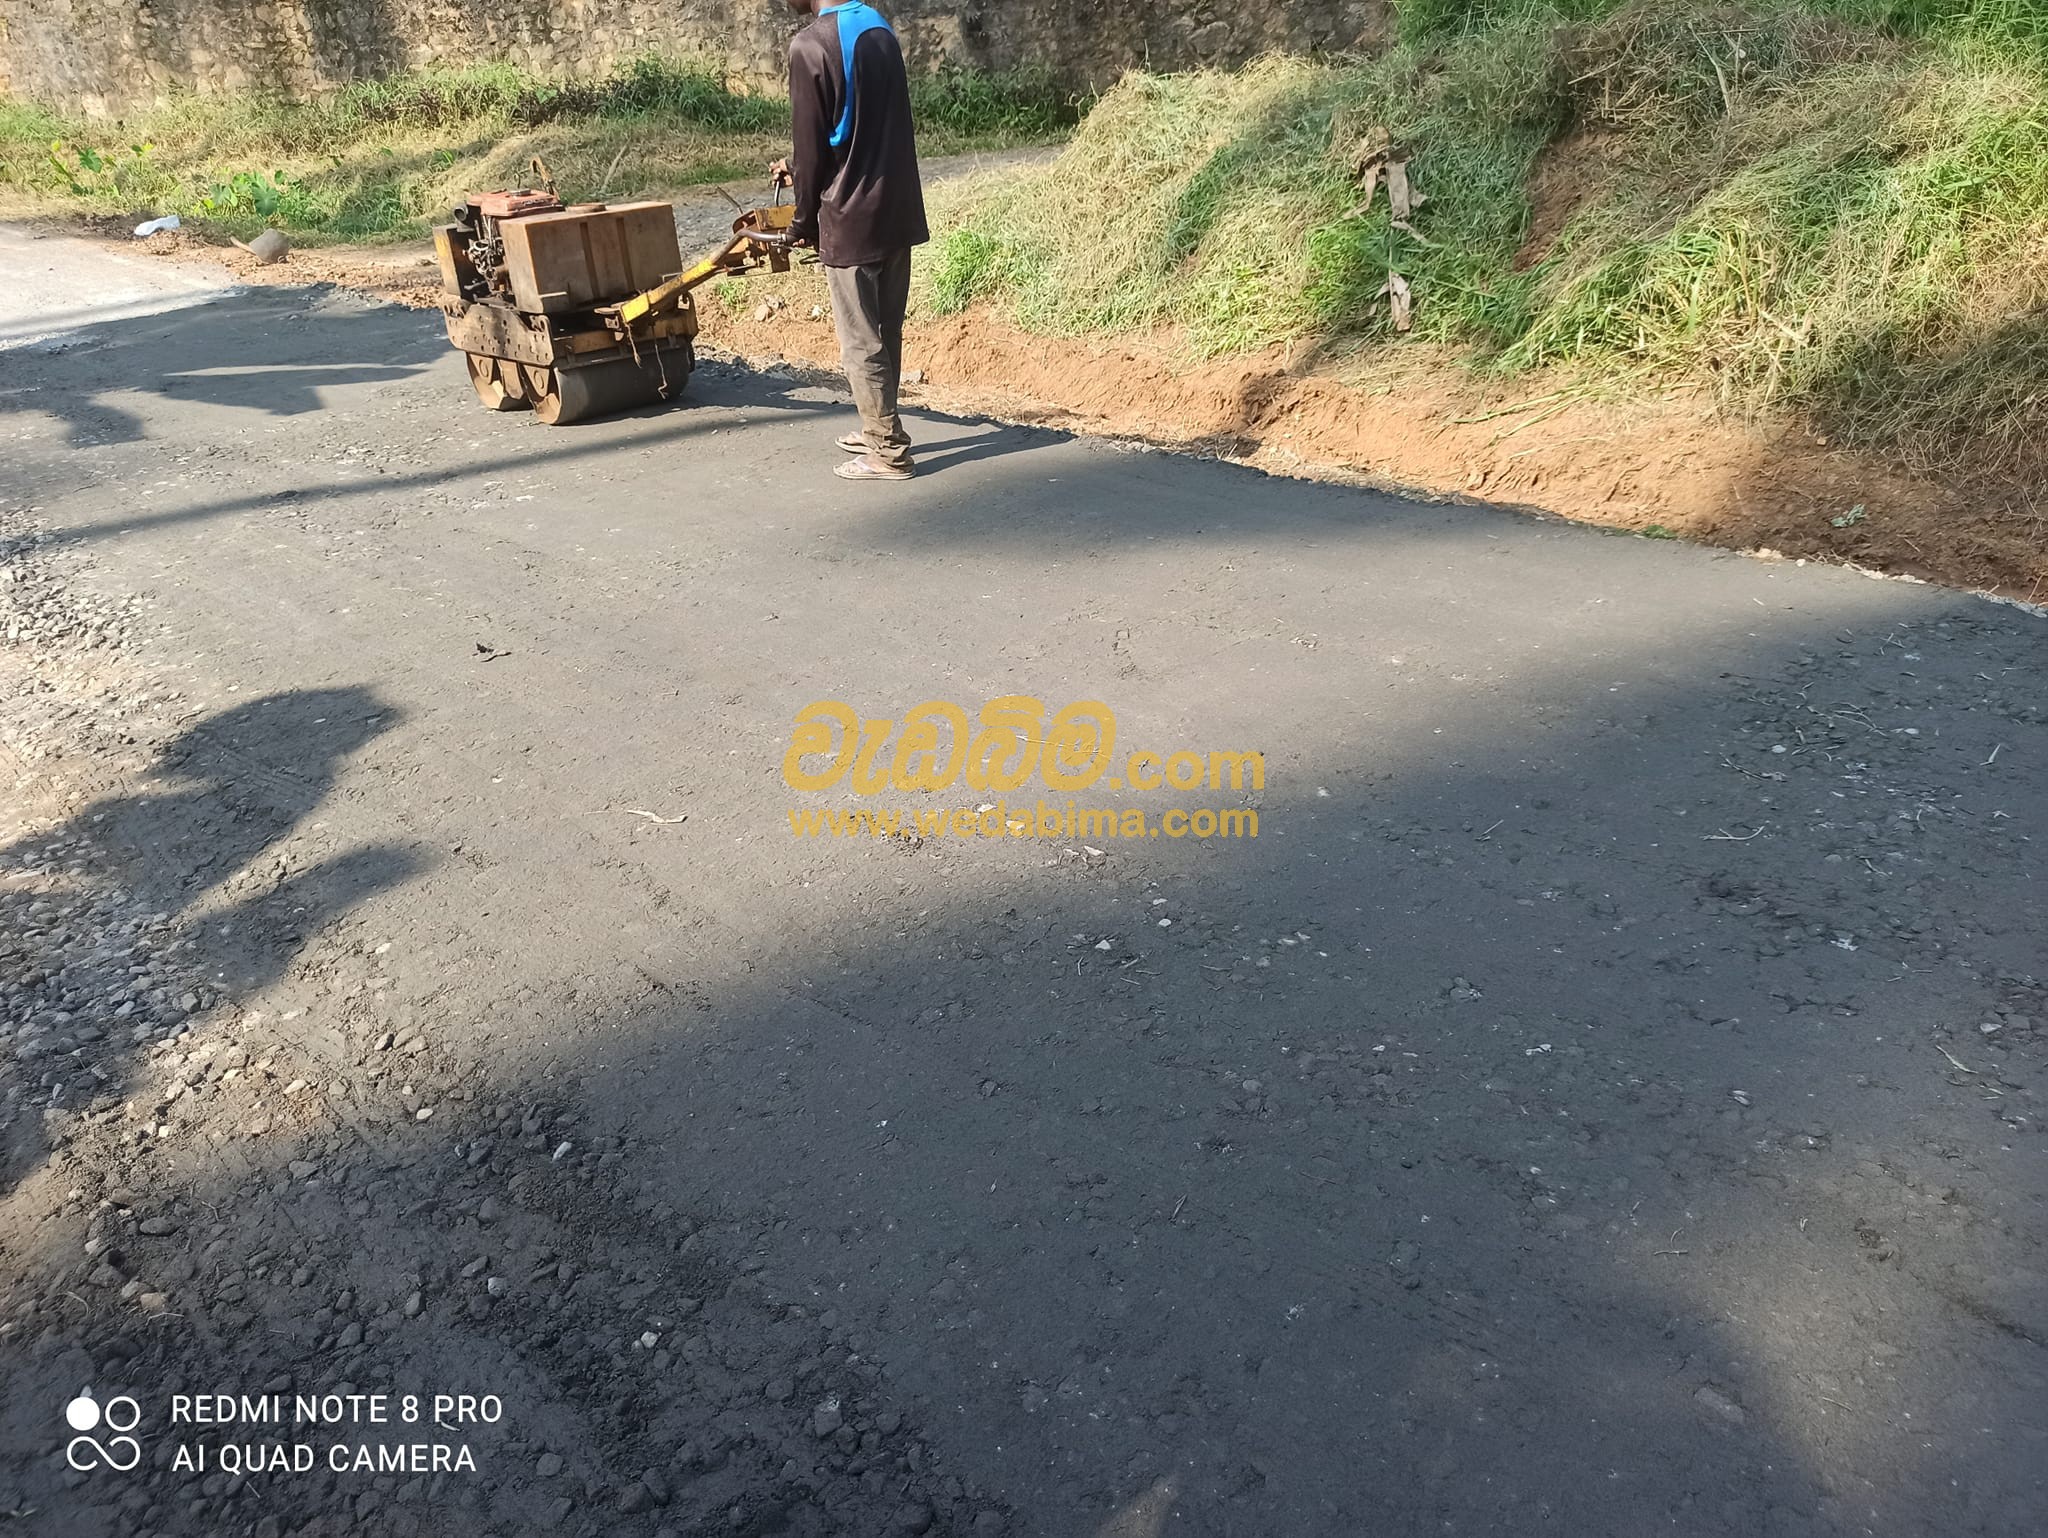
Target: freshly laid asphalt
[(1604, 1098)]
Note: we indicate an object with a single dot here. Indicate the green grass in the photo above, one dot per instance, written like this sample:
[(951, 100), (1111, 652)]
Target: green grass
[(968, 109), (1836, 208), (2010, 24), (384, 158), (1216, 201)]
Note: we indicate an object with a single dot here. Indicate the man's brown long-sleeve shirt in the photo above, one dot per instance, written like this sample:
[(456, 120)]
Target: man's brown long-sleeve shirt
[(855, 161)]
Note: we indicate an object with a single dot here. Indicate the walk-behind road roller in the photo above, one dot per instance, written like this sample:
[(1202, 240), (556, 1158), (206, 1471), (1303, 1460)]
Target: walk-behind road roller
[(583, 309)]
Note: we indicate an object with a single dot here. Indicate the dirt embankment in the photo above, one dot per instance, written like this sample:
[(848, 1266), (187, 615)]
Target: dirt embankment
[(1666, 466)]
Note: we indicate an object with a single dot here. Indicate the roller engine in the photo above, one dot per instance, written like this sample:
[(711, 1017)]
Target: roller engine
[(475, 230)]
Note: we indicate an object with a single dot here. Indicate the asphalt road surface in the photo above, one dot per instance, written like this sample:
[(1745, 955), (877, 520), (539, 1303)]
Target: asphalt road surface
[(1605, 1097)]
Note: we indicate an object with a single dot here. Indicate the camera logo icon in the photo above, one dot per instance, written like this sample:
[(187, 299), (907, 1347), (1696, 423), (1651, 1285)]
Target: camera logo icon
[(119, 1415)]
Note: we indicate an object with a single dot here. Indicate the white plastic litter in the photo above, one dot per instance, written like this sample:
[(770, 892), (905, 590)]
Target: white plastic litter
[(150, 227)]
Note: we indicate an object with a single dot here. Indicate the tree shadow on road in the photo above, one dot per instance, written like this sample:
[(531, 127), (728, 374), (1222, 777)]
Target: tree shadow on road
[(1392, 1184), (244, 349)]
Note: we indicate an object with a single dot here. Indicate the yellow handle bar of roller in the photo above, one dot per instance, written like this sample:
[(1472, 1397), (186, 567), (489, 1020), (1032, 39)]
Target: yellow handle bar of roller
[(736, 255)]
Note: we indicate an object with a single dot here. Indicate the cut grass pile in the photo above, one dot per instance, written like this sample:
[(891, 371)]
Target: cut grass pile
[(1834, 208), (384, 158)]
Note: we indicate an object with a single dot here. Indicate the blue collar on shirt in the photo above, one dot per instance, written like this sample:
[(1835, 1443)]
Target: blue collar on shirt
[(855, 18)]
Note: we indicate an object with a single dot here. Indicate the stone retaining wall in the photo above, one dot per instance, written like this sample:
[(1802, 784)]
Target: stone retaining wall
[(101, 56)]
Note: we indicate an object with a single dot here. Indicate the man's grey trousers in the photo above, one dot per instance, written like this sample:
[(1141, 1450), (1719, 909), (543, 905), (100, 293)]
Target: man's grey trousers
[(867, 309)]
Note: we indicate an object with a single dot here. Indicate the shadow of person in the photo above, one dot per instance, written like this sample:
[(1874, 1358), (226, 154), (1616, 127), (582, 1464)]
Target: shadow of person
[(237, 782), (990, 443), (216, 854)]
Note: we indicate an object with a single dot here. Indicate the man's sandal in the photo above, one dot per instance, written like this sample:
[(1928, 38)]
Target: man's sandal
[(853, 443), (865, 469)]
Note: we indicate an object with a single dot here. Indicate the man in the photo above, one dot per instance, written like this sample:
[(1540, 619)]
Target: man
[(858, 200)]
